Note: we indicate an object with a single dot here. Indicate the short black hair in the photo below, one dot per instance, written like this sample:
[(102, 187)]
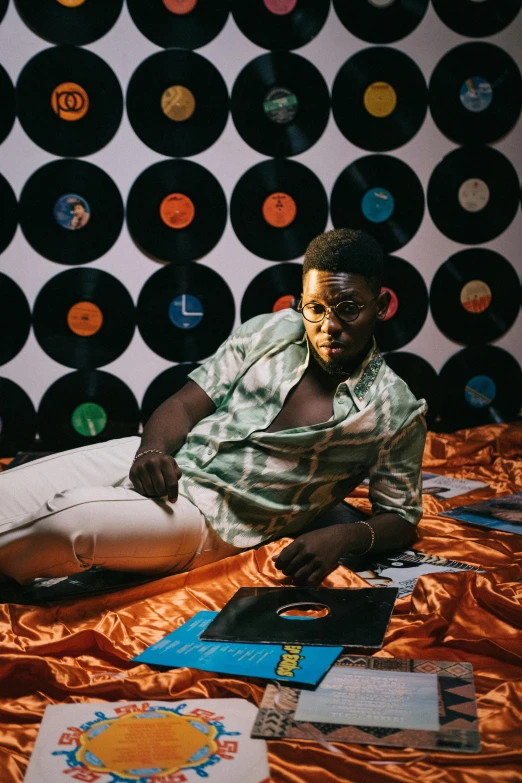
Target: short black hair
[(346, 250)]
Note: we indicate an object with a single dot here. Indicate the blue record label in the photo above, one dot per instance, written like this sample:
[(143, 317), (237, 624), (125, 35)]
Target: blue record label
[(476, 94), (480, 391), (186, 311), (377, 205), (72, 211)]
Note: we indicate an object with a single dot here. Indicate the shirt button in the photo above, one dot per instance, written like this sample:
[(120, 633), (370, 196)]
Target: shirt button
[(342, 400), (209, 452)]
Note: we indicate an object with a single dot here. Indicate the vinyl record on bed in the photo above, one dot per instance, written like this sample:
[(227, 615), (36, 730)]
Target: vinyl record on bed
[(408, 306), (71, 211), (476, 93), (277, 208), (475, 296), (163, 386), (473, 194), (9, 219), (381, 21), (477, 18), (7, 102), (176, 211), (280, 104), (379, 98), (185, 312), (84, 318), (69, 101), (84, 407), (15, 319), (480, 385), (17, 419), (280, 24), (177, 103), (69, 21), (184, 24), (276, 288), (382, 195), (421, 378)]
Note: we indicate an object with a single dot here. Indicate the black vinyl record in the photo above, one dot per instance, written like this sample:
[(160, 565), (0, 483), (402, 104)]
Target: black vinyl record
[(477, 18), (17, 419), (176, 211), (71, 211), (187, 24), (84, 318), (379, 98), (177, 103), (475, 296), (15, 319), (185, 312), (408, 306), (277, 208), (476, 93), (69, 101), (163, 386), (9, 219), (3, 8), (66, 22), (280, 24), (280, 104), (480, 385), (473, 194), (380, 22), (421, 378), (7, 102), (276, 288), (382, 195), (84, 407)]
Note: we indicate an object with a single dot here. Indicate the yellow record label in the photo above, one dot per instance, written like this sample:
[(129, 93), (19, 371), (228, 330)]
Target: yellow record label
[(380, 99), (475, 296), (71, 3), (178, 103)]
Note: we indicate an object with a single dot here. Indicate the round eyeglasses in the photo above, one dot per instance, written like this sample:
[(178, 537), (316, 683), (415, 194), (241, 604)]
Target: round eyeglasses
[(345, 311)]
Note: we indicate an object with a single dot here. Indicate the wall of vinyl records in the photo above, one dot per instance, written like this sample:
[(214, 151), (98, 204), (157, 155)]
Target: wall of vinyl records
[(164, 163)]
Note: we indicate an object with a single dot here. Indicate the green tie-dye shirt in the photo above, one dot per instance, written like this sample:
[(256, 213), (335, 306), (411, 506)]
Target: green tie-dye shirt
[(253, 485)]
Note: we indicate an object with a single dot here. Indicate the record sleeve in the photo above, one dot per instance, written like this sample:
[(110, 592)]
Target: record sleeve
[(71, 211), (69, 101), (280, 104), (163, 386), (17, 418), (379, 98), (277, 208), (7, 102), (273, 289), (69, 21), (9, 220), (382, 195), (184, 24), (280, 24), (380, 21), (15, 319), (408, 306), (177, 102), (84, 318), (477, 19), (421, 378)]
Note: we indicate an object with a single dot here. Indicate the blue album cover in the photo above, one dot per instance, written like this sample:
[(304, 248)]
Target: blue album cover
[(500, 513), (288, 662)]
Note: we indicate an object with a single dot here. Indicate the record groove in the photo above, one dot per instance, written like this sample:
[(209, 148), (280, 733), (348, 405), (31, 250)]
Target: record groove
[(7, 102), (280, 24), (380, 22), (69, 23), (185, 24), (84, 318), (3, 8), (276, 288), (164, 386), (277, 208), (71, 211), (421, 378), (477, 19), (408, 306), (9, 219), (15, 319), (17, 419)]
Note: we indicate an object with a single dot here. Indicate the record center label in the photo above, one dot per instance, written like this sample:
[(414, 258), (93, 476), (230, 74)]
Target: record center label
[(280, 105), (85, 319), (394, 303), (178, 103), (381, 3), (89, 419), (283, 303), (71, 211), (380, 99), (279, 210), (280, 7), (476, 94), (480, 391), (377, 205), (177, 210), (186, 311), (473, 195), (70, 101), (475, 296), (180, 7), (71, 3)]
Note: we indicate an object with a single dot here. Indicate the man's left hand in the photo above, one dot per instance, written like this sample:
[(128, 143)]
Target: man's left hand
[(312, 556)]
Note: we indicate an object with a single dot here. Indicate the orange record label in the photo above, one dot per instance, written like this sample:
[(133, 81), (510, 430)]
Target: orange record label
[(85, 319), (180, 7), (279, 210), (177, 210), (70, 101), (380, 99), (475, 296), (178, 103), (71, 3), (394, 303), (283, 303)]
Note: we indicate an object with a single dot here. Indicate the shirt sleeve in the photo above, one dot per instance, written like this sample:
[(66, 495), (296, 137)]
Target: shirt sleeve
[(396, 476)]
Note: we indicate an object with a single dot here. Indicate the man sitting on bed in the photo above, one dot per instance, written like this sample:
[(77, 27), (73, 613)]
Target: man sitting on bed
[(291, 414)]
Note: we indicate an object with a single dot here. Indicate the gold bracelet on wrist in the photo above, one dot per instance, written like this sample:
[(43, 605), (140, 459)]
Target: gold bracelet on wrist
[(147, 451), (372, 531)]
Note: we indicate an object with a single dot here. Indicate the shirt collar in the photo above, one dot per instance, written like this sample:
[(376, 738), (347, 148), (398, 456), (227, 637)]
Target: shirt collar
[(361, 382)]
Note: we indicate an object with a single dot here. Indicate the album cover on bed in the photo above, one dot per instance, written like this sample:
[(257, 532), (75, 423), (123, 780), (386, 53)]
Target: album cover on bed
[(501, 513)]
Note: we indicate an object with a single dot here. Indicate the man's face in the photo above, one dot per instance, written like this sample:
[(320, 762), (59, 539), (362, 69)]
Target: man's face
[(336, 344)]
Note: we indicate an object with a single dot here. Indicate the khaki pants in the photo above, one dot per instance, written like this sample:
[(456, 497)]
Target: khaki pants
[(67, 512)]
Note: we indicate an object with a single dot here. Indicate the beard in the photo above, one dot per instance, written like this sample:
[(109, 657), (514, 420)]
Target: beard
[(334, 367)]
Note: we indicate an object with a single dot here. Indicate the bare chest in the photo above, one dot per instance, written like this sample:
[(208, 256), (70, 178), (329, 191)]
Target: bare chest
[(307, 403)]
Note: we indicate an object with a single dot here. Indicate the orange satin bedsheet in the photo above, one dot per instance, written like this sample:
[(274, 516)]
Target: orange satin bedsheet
[(80, 650)]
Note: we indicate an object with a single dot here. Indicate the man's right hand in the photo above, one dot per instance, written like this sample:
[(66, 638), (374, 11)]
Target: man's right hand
[(156, 475)]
